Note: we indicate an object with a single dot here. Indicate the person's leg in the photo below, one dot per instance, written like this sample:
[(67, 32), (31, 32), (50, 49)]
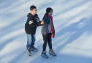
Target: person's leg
[(45, 42), (29, 40), (29, 43), (49, 41), (51, 52), (33, 40), (44, 47), (33, 48)]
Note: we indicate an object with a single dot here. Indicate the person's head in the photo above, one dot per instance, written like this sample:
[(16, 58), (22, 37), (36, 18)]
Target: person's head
[(33, 9), (49, 11)]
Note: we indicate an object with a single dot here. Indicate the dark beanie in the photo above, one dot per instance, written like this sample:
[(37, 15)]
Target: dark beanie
[(32, 7), (49, 10)]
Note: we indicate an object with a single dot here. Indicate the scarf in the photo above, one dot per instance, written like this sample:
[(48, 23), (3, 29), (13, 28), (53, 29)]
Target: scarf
[(51, 27)]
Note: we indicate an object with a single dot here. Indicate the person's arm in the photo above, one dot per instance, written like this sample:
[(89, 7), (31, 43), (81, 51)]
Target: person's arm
[(29, 19), (54, 29), (39, 22)]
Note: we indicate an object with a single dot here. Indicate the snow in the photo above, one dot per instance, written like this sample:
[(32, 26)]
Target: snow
[(73, 24)]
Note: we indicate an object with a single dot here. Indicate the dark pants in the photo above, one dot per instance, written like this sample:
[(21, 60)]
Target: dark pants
[(47, 40), (30, 40)]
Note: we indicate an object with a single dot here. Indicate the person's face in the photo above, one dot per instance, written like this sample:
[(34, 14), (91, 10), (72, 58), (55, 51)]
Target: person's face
[(51, 13), (34, 11)]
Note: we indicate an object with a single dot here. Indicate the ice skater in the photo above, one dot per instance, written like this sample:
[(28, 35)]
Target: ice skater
[(31, 25), (48, 32)]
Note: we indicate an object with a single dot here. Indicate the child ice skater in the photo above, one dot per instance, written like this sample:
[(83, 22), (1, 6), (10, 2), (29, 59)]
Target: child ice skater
[(48, 32), (30, 28)]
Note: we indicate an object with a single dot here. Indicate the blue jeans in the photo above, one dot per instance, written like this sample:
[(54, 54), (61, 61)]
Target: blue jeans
[(30, 40)]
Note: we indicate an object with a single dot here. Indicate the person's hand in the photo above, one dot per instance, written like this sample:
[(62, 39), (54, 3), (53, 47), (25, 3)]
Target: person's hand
[(30, 22), (42, 22), (54, 33)]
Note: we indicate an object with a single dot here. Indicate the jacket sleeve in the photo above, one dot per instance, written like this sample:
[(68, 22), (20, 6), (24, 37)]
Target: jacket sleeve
[(38, 21), (29, 18)]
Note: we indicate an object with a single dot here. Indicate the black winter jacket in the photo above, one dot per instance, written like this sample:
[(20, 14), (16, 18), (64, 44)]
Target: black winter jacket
[(31, 28)]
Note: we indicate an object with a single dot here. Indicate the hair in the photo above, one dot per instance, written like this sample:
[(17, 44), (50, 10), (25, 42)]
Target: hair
[(48, 10), (32, 7)]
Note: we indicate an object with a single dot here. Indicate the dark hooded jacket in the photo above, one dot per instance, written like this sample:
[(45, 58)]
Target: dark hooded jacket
[(31, 28)]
